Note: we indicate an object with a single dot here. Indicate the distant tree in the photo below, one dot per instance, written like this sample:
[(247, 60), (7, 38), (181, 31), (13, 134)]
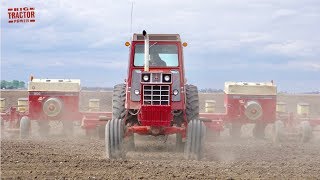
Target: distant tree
[(3, 84), (22, 84), (15, 84), (9, 85)]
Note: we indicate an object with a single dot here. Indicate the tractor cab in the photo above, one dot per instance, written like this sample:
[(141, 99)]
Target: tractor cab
[(156, 79)]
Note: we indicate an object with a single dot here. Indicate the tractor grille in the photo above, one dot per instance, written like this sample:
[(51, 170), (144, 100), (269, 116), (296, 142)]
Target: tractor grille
[(156, 94)]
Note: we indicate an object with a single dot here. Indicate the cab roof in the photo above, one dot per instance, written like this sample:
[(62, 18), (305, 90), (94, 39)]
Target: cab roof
[(158, 37)]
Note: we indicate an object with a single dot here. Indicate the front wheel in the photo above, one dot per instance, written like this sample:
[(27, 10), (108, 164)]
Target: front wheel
[(114, 132), (195, 140)]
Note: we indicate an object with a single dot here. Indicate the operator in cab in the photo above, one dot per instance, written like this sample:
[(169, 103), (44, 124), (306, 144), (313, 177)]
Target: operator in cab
[(155, 59)]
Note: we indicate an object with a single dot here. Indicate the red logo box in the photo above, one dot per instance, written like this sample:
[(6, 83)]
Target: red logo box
[(21, 15)]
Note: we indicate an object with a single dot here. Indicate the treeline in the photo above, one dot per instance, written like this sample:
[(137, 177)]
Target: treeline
[(15, 84)]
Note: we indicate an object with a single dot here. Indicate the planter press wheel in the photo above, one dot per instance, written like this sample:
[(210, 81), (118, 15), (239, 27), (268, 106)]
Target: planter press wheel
[(25, 127)]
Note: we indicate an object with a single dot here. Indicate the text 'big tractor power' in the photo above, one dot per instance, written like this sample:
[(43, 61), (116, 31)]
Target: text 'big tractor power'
[(155, 99)]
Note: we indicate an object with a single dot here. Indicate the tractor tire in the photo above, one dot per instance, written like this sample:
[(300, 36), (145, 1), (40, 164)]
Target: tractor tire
[(278, 131), (25, 127), (44, 128), (179, 144), (195, 140), (101, 132), (259, 130), (306, 131), (118, 101), (114, 133), (192, 102), (235, 130)]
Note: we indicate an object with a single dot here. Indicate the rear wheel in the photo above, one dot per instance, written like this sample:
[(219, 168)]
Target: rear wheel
[(118, 101), (114, 139), (195, 140), (192, 102), (25, 127)]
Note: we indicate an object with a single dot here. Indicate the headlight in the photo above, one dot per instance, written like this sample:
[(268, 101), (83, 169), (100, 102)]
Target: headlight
[(166, 77), (146, 78), (175, 92), (136, 92)]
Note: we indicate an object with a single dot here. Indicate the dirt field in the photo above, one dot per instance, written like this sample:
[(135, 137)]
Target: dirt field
[(80, 157), (83, 158)]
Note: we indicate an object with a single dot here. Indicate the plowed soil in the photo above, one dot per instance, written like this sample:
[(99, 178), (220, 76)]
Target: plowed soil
[(155, 158), (81, 157)]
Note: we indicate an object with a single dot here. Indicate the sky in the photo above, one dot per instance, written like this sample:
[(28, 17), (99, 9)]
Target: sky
[(228, 40)]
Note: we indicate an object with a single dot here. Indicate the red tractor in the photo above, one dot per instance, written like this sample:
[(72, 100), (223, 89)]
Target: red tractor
[(155, 99), (246, 103)]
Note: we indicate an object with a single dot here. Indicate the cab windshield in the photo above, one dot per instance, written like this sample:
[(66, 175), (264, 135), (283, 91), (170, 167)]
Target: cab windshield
[(161, 55)]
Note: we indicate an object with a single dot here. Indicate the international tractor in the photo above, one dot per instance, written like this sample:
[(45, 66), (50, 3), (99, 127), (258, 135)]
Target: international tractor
[(155, 99)]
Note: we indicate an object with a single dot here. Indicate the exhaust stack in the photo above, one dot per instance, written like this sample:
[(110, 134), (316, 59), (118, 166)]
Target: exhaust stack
[(146, 51)]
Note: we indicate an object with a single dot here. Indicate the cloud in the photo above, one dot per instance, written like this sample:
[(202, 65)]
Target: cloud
[(222, 35), (289, 48), (280, 13)]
